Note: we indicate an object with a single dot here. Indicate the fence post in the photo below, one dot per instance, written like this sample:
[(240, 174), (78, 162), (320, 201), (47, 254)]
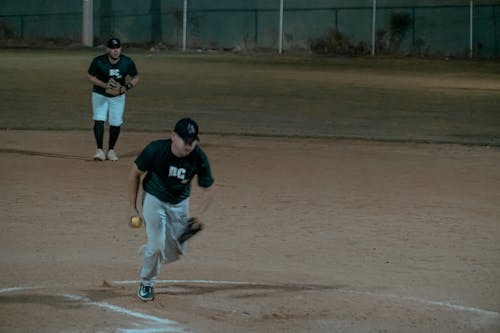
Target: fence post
[(471, 28), (374, 16), (184, 26), (256, 25), (87, 23), (280, 37)]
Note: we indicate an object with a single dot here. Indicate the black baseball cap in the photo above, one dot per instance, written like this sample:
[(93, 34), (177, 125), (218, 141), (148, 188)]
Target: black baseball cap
[(114, 43), (187, 129)]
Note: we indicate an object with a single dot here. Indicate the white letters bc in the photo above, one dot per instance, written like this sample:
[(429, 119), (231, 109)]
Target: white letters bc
[(114, 72), (177, 172)]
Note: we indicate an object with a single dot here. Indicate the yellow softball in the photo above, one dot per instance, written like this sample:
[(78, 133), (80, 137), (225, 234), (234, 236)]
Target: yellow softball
[(136, 221)]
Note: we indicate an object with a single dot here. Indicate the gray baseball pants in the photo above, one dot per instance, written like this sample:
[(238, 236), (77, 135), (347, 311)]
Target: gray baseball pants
[(164, 223)]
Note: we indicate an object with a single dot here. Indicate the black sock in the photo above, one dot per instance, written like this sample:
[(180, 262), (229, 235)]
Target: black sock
[(114, 132), (99, 133)]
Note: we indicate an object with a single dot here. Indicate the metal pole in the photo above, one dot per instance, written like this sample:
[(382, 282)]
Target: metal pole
[(184, 26), (471, 26), (87, 23), (374, 16), (280, 37)]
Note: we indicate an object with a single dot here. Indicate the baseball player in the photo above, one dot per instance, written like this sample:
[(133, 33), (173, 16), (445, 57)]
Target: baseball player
[(108, 73), (168, 167)]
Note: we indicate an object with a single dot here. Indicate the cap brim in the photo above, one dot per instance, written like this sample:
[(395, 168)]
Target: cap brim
[(188, 137)]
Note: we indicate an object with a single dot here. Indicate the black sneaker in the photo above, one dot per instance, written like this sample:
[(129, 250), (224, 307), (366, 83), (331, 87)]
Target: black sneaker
[(145, 293)]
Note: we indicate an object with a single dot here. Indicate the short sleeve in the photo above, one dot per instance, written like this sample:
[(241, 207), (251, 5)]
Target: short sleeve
[(133, 69), (145, 159), (93, 67), (205, 178)]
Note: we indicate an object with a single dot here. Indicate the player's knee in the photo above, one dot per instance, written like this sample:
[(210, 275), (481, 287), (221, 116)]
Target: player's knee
[(99, 124), (151, 250)]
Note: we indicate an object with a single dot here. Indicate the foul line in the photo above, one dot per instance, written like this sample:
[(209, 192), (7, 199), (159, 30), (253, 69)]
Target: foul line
[(10, 290), (172, 326), (190, 282), (88, 301), (167, 325), (444, 304)]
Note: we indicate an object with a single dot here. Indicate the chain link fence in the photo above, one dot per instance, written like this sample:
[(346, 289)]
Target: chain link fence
[(424, 28)]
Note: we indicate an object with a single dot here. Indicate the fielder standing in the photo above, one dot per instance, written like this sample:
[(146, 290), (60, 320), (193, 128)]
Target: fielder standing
[(108, 74), (168, 167)]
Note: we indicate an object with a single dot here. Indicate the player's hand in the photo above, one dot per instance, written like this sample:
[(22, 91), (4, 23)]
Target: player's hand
[(113, 88), (132, 219), (193, 226)]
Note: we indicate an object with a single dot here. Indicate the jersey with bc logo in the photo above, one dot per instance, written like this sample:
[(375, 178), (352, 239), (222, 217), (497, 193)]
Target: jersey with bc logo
[(169, 177), (101, 68)]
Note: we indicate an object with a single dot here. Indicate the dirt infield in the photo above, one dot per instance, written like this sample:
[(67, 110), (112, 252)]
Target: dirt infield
[(305, 235), (331, 213)]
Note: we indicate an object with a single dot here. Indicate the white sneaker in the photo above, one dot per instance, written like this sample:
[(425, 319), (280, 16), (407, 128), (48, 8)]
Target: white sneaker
[(99, 155), (112, 155)]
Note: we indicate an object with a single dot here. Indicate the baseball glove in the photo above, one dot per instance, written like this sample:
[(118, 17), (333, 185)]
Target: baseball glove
[(113, 87), (193, 227)]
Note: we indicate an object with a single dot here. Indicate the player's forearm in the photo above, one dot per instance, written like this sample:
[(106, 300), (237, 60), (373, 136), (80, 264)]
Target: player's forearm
[(208, 195), (130, 84), (133, 190), (95, 81), (134, 80)]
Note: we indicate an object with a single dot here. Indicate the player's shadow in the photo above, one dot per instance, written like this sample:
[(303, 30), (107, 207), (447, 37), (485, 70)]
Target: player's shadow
[(106, 293), (240, 290)]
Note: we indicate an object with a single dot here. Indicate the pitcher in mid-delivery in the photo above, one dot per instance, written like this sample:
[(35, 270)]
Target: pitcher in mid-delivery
[(168, 167)]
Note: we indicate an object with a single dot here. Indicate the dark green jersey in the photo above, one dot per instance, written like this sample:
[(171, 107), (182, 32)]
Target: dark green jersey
[(101, 68), (169, 177)]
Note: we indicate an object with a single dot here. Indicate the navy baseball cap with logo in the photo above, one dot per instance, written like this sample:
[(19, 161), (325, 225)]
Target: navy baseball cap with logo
[(114, 43), (187, 129)]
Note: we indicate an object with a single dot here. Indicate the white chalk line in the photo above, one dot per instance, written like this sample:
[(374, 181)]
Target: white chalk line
[(14, 289), (167, 325), (146, 330), (189, 282), (444, 304), (88, 301), (171, 325)]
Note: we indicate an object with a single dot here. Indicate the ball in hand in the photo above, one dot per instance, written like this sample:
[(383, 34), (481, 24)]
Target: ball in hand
[(136, 221)]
